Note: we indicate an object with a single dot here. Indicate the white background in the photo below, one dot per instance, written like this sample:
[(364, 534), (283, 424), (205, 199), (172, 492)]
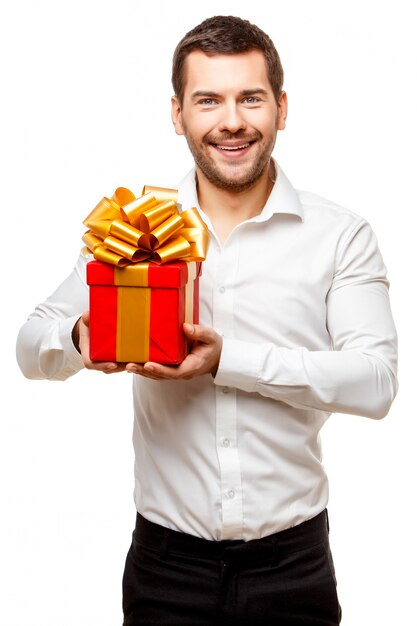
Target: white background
[(85, 107)]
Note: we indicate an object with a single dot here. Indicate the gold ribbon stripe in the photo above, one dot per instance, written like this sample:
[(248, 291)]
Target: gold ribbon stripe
[(133, 323), (132, 275), (189, 292), (133, 313)]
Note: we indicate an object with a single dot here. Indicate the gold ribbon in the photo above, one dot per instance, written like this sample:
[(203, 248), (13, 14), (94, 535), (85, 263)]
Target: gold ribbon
[(133, 313), (124, 229), (133, 324)]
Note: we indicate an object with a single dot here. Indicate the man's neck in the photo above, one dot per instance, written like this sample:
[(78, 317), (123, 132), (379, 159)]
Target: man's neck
[(226, 209)]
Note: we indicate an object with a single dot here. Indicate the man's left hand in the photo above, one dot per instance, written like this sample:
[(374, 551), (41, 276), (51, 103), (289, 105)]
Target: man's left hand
[(203, 359)]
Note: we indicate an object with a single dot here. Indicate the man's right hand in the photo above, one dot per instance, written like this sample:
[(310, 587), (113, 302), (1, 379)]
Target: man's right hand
[(81, 340)]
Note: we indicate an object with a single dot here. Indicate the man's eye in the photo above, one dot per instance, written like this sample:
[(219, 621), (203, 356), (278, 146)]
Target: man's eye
[(251, 100), (207, 101)]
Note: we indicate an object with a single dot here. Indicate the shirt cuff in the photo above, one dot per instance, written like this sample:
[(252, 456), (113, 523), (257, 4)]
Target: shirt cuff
[(240, 365), (74, 360)]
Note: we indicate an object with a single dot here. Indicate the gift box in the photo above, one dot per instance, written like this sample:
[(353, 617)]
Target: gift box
[(137, 312), (144, 280)]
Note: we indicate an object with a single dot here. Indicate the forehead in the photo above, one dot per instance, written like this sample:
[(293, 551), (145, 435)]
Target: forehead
[(225, 72)]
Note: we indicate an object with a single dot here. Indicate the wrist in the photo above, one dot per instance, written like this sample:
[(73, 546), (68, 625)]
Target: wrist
[(75, 335)]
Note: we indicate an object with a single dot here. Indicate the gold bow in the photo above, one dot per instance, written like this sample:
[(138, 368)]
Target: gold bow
[(125, 229)]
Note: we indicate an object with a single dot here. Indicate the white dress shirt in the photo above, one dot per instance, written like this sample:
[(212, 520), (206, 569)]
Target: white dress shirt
[(299, 294)]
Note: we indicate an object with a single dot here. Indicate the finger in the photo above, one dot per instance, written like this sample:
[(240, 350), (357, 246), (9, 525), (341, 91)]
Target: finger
[(137, 368), (104, 366), (160, 372), (199, 333), (185, 369), (110, 370)]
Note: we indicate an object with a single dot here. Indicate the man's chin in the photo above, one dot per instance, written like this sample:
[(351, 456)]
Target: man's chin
[(233, 180)]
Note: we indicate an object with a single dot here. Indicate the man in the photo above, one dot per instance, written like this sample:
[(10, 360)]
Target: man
[(295, 324)]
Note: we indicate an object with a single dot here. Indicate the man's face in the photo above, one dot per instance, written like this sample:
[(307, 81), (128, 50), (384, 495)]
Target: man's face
[(229, 116)]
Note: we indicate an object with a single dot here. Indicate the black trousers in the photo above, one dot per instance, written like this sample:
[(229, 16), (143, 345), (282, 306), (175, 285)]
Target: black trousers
[(286, 579)]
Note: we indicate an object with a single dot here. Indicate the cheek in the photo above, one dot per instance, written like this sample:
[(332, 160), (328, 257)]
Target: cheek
[(194, 129), (201, 123)]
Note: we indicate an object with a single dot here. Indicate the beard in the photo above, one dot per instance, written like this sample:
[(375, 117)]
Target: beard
[(235, 177)]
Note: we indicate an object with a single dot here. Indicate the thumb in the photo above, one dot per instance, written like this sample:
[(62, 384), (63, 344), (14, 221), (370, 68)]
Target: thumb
[(198, 333), (189, 329)]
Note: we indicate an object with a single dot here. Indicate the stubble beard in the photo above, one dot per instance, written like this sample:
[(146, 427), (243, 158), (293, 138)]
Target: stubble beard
[(220, 179)]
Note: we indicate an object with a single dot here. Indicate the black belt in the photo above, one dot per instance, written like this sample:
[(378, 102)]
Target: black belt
[(305, 535)]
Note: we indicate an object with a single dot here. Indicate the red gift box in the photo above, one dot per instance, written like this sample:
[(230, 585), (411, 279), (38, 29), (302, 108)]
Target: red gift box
[(137, 312)]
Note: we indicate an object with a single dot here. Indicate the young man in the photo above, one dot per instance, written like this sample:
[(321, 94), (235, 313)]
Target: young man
[(295, 324)]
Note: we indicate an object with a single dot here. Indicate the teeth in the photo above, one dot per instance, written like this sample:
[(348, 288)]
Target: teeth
[(245, 145)]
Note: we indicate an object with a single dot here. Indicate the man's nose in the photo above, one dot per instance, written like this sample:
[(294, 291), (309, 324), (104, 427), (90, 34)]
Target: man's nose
[(232, 119)]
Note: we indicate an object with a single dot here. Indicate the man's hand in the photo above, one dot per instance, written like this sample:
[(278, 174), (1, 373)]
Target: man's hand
[(203, 359), (81, 340)]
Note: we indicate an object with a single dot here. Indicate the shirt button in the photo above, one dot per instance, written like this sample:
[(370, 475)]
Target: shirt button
[(225, 389), (226, 443), (231, 494), (222, 289)]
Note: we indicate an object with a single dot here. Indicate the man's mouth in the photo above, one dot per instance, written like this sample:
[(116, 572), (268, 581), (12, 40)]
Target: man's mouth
[(233, 148)]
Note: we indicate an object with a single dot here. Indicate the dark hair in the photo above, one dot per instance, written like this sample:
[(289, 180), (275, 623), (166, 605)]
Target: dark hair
[(226, 35)]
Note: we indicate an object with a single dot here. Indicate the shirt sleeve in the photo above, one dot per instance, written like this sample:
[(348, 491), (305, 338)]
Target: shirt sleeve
[(44, 345), (358, 374)]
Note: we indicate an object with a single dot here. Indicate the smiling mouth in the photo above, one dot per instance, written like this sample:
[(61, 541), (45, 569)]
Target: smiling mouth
[(233, 148)]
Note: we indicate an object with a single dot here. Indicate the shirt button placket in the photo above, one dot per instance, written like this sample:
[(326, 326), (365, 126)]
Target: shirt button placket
[(226, 416)]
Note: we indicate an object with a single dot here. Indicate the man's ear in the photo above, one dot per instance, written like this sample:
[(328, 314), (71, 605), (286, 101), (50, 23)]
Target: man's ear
[(176, 115), (282, 110)]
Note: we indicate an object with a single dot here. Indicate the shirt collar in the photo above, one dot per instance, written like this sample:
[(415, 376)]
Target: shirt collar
[(282, 199)]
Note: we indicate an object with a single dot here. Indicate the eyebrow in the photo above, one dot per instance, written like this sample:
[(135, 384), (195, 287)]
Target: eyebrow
[(244, 92), (252, 92), (205, 94)]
